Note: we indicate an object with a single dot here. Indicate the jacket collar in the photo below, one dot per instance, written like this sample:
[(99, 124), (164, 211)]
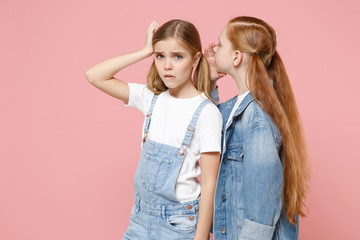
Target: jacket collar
[(230, 104)]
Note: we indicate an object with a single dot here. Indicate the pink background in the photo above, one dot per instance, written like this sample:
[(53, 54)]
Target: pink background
[(68, 152)]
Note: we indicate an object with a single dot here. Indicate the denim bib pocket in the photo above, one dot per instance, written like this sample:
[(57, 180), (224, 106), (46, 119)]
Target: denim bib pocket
[(155, 170)]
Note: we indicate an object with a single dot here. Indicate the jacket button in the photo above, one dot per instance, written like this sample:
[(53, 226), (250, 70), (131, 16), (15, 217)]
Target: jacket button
[(223, 197), (223, 230), (189, 207), (191, 218), (181, 152)]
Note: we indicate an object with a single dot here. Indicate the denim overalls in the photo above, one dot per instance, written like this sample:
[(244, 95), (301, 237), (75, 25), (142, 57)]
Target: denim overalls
[(157, 214)]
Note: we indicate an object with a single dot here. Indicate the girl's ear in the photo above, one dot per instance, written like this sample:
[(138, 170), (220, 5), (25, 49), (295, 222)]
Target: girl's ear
[(237, 58), (196, 59)]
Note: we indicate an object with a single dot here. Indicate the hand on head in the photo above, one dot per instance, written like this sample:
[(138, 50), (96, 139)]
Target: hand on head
[(149, 36)]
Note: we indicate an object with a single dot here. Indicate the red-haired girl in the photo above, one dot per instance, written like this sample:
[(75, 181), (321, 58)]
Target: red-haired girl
[(262, 178)]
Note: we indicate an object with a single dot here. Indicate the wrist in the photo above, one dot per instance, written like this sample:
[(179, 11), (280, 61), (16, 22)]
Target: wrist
[(147, 52)]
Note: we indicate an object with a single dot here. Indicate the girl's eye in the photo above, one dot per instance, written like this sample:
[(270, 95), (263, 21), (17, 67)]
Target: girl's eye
[(177, 57), (159, 56)]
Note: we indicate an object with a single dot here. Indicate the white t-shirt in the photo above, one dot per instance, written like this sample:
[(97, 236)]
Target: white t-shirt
[(237, 104), (169, 122)]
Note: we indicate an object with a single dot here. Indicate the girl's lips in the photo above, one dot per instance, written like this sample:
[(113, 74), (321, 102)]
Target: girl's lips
[(169, 76)]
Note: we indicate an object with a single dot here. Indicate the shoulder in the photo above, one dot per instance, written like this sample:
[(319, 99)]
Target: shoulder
[(255, 116), (257, 119), (210, 115), (210, 108)]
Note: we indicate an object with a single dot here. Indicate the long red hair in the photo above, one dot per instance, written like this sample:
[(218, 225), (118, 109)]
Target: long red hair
[(257, 38)]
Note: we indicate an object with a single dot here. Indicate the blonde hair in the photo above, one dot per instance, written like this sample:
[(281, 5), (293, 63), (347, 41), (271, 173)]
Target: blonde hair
[(256, 37), (187, 34)]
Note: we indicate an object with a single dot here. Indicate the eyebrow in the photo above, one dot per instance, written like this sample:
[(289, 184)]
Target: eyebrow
[(170, 52)]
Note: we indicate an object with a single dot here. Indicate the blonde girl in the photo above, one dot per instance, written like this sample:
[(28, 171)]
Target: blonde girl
[(181, 126)]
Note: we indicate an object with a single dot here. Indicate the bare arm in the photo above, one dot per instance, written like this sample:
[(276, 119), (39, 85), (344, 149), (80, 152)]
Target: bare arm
[(210, 162), (102, 74)]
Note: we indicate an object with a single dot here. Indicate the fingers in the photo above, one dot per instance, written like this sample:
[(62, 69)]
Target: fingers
[(209, 51), (153, 27), (206, 52), (211, 48)]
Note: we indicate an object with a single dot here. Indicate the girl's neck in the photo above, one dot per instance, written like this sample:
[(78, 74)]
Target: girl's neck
[(239, 77), (186, 90)]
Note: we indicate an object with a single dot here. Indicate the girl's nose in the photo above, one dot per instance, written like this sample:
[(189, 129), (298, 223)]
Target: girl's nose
[(168, 65)]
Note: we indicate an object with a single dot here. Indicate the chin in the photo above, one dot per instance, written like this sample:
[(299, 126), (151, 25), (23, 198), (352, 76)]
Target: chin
[(169, 84)]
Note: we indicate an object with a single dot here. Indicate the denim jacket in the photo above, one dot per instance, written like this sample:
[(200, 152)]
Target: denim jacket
[(248, 198)]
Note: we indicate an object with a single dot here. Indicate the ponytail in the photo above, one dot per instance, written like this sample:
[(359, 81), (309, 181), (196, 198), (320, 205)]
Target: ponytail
[(297, 173), (278, 102), (202, 77), (259, 82)]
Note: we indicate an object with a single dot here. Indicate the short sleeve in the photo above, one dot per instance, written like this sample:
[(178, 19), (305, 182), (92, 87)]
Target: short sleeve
[(209, 129), (139, 97)]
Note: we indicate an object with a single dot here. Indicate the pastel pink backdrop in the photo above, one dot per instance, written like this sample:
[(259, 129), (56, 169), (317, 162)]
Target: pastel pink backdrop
[(68, 152)]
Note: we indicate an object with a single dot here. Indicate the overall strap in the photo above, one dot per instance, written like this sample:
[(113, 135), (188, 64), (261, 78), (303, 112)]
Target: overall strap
[(191, 127), (148, 116)]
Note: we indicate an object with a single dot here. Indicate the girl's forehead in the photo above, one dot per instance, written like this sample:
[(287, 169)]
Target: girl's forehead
[(171, 45)]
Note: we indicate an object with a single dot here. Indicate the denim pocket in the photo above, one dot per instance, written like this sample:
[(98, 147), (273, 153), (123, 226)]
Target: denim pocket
[(235, 157), (235, 154), (154, 171), (182, 223)]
